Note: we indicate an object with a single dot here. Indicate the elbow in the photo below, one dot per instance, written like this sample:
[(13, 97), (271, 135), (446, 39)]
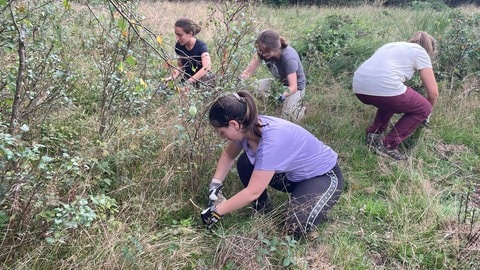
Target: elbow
[(433, 96), (253, 195)]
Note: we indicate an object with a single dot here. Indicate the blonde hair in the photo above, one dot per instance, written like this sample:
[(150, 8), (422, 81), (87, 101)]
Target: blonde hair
[(426, 41)]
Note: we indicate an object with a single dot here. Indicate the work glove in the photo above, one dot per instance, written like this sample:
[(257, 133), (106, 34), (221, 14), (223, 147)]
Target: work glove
[(281, 98), (214, 192), (426, 122), (210, 216), (162, 88)]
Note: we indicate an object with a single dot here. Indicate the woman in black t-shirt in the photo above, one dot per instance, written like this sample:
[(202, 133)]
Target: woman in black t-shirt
[(193, 58)]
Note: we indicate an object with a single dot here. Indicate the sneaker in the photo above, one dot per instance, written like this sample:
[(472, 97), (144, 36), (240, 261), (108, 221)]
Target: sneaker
[(391, 153), (373, 140)]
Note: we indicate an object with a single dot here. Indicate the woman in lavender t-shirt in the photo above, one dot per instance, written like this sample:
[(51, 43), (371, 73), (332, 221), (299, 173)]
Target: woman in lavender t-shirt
[(278, 153)]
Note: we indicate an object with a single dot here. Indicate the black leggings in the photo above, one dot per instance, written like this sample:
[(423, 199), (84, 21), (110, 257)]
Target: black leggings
[(309, 201)]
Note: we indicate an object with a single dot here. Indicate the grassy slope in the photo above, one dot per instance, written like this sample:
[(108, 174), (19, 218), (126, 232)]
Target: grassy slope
[(393, 215)]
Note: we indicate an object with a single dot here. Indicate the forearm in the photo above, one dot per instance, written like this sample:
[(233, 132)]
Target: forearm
[(175, 73), (238, 201), (226, 161), (197, 76), (432, 97), (430, 84), (251, 68), (292, 85), (206, 67), (291, 89), (224, 165), (258, 183)]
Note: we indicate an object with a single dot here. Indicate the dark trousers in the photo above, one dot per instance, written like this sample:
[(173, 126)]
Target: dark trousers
[(415, 109), (309, 201)]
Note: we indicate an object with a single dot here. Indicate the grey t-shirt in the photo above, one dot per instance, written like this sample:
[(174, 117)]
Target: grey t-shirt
[(288, 148), (289, 63)]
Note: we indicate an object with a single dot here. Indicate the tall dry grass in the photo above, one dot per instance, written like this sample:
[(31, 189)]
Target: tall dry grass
[(388, 211)]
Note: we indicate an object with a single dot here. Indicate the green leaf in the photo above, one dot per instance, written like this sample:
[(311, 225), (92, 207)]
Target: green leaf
[(193, 110), (66, 4), (8, 154), (131, 60), (122, 24)]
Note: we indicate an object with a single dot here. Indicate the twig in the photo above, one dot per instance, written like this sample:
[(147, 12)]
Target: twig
[(194, 204)]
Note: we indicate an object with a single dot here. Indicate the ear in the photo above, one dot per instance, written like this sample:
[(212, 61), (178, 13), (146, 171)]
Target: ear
[(234, 124)]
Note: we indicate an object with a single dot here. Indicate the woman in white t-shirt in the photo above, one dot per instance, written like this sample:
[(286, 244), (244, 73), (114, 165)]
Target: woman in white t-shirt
[(276, 153), (380, 81)]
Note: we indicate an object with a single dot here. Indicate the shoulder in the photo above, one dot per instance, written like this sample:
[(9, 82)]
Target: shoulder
[(277, 125), (179, 47), (290, 51), (404, 45), (290, 54), (199, 44)]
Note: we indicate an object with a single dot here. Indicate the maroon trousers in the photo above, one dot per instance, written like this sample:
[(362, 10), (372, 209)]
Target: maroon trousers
[(415, 109)]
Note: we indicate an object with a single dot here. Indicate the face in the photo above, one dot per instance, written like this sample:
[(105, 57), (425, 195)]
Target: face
[(232, 133), (267, 54), (182, 37)]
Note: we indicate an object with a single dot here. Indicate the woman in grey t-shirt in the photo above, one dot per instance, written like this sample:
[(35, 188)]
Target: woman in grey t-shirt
[(278, 153), (284, 63)]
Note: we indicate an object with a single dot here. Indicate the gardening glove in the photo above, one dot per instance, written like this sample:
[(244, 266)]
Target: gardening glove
[(426, 122), (214, 192), (162, 88), (281, 98), (210, 216)]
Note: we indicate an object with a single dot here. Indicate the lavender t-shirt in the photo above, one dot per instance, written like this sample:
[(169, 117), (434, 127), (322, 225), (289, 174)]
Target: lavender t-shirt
[(289, 148)]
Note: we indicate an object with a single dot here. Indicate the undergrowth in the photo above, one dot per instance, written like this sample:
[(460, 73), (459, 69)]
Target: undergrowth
[(115, 175)]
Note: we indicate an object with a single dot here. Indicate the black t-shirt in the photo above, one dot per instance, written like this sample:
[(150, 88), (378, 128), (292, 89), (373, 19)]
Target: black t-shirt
[(191, 60)]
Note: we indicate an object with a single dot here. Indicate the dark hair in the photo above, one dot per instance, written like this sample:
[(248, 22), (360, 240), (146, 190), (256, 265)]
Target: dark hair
[(270, 40), (240, 107), (426, 41), (188, 26)]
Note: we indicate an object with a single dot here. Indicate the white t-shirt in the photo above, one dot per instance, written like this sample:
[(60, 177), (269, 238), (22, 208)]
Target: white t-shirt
[(385, 72)]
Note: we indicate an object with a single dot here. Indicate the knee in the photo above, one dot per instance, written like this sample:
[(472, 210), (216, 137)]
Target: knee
[(427, 110)]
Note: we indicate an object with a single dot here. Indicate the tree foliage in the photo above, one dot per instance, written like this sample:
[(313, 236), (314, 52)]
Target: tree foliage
[(398, 3), (87, 136)]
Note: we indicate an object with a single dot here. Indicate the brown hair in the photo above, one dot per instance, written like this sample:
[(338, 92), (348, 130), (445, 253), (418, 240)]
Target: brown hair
[(426, 41), (270, 40), (188, 26), (238, 106)]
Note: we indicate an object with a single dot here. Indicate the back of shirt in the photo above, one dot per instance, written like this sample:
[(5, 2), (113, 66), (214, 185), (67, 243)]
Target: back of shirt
[(385, 72), (289, 148)]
